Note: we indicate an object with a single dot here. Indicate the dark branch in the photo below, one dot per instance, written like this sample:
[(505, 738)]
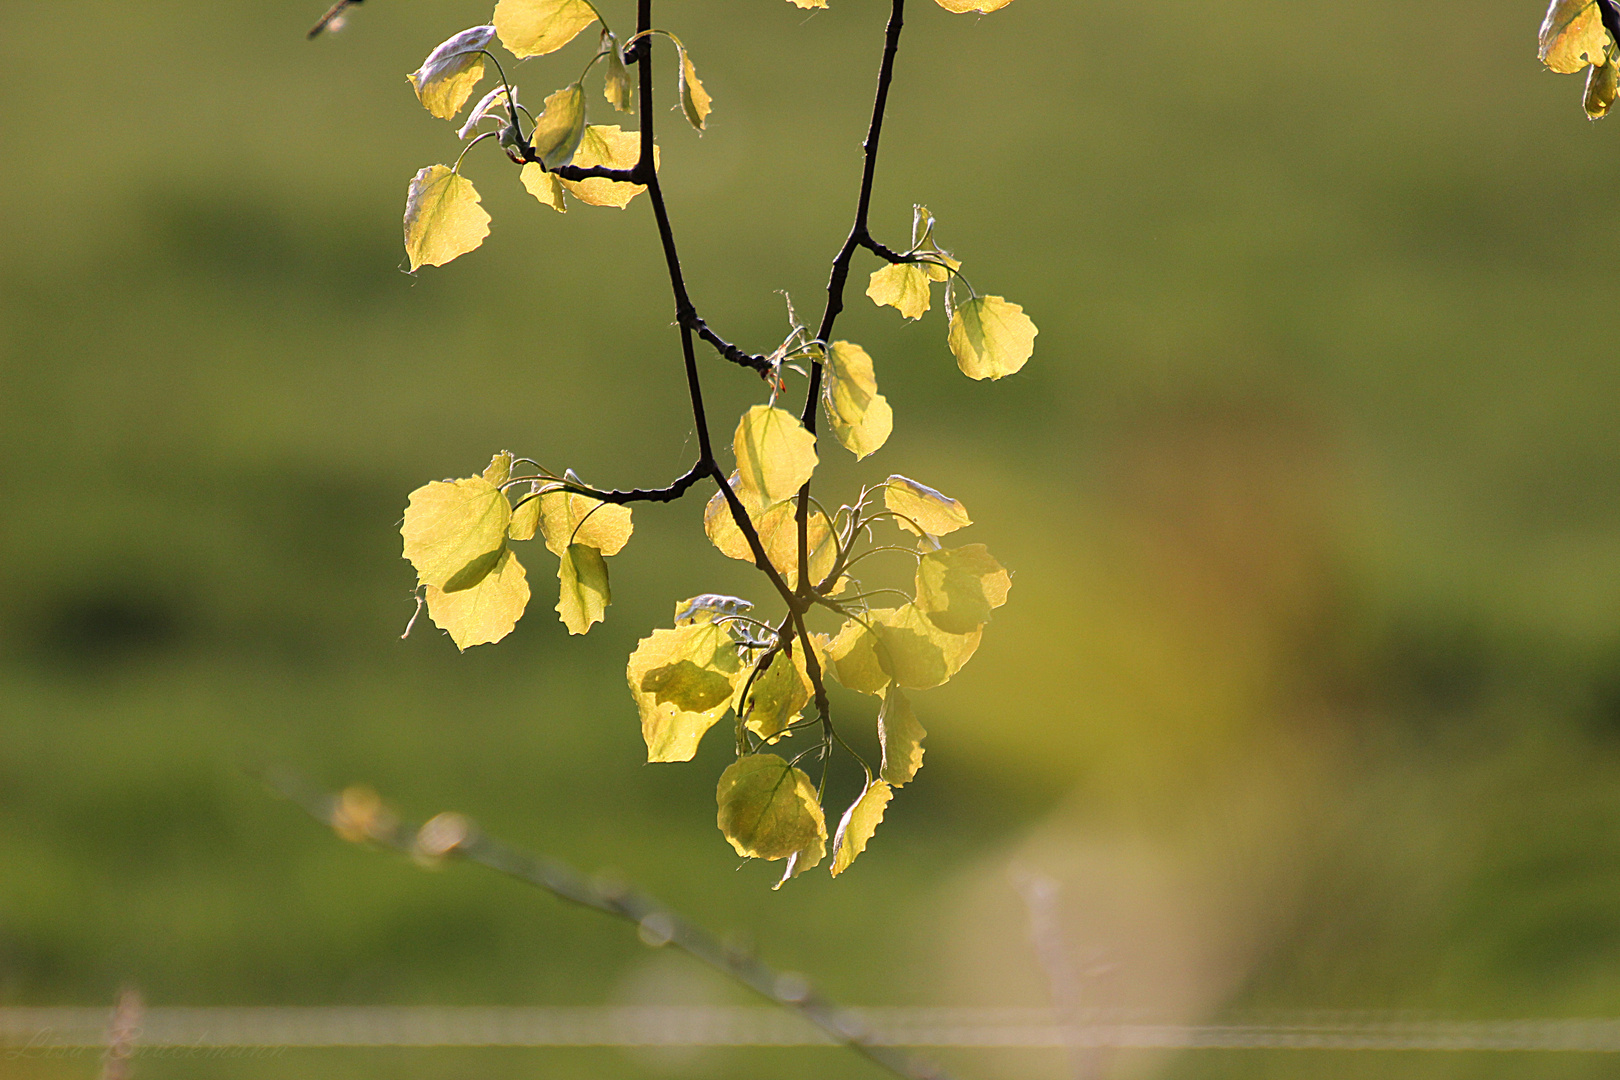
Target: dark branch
[(331, 13), (752, 361), (666, 494)]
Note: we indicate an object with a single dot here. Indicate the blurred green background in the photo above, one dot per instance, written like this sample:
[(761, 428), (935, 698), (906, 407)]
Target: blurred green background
[(1308, 692)]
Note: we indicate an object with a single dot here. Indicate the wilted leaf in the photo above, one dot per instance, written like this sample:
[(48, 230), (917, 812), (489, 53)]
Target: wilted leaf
[(958, 587), (775, 454), (617, 87), (446, 78), (694, 99), (568, 518), (558, 130), (544, 186), (934, 513), (455, 531), (583, 594), (708, 607), (901, 736), (443, 217), (682, 681), (1572, 35), (777, 696), (493, 103), (855, 661), (858, 824), (860, 416), (902, 286), (615, 149), (485, 612), (768, 809), (536, 27), (991, 338)]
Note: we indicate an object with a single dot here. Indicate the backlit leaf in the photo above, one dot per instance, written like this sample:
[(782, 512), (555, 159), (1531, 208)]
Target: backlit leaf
[(615, 149), (568, 518), (806, 858), (985, 6), (455, 531), (443, 217), (1572, 35), (777, 695), (768, 809), (958, 587), (858, 824), (583, 594), (721, 526), (934, 513), (491, 104), (778, 529), (499, 469), (525, 516), (917, 654), (558, 130), (446, 78), (809, 3), (618, 87), (1601, 89), (488, 610), (709, 607), (935, 266), (901, 736), (853, 653), (902, 286), (860, 416), (536, 27), (682, 681), (544, 186), (991, 338), (694, 99), (775, 454)]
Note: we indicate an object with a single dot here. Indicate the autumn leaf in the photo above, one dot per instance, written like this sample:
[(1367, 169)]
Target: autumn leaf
[(559, 129), (584, 595), (853, 652), (612, 148), (455, 531), (768, 809), (991, 338), (961, 6), (858, 824), (568, 518), (617, 87), (695, 101), (775, 454), (682, 681), (920, 506), (446, 78), (860, 416), (901, 737), (902, 286), (776, 696), (536, 27), (485, 612), (1573, 36), (443, 217), (958, 587), (544, 186)]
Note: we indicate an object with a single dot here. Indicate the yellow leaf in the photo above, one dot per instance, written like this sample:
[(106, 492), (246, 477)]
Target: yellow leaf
[(694, 99), (558, 130), (776, 696), (986, 6), (1572, 35), (901, 736), (768, 809), (583, 591), (778, 529), (499, 469), (615, 149), (455, 531), (567, 518), (446, 78), (617, 87), (682, 681), (914, 652), (543, 186), (721, 527), (934, 270), (958, 587), (809, 3), (487, 611), (536, 27), (443, 218), (902, 286), (860, 416), (934, 513), (775, 454), (855, 661), (858, 824), (806, 858), (1601, 89), (991, 338), (525, 516)]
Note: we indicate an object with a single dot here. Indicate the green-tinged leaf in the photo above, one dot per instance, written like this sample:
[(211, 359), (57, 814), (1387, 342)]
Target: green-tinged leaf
[(958, 587), (961, 6), (618, 88), (806, 858), (558, 130), (499, 469), (615, 149), (860, 416), (682, 681), (525, 515), (536, 27), (922, 225), (902, 286), (901, 735), (855, 660), (914, 652), (543, 186), (934, 513), (775, 454), (583, 594), (1601, 88), (858, 824), (455, 531), (778, 529), (991, 338), (809, 3), (488, 610), (935, 266), (776, 695), (768, 809), (447, 77), (709, 607), (695, 101), (568, 518), (443, 217), (1572, 35), (721, 526)]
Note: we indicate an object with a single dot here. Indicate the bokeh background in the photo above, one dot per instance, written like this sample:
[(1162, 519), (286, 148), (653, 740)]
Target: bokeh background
[(1308, 693)]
